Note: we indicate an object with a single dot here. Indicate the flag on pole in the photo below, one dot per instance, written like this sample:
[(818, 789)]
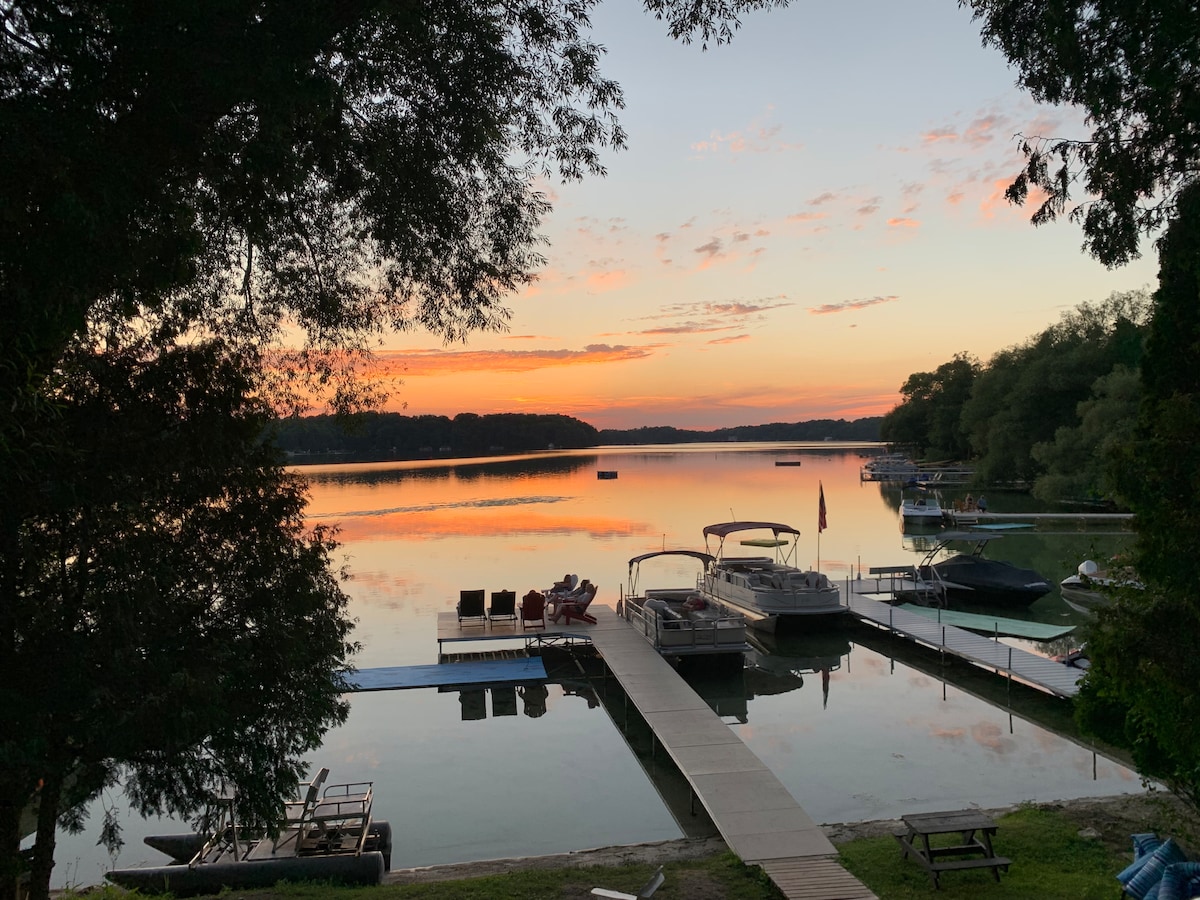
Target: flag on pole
[(821, 523)]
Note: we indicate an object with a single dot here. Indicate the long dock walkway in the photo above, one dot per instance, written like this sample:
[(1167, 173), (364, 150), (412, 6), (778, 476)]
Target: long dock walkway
[(1012, 662), (760, 821)]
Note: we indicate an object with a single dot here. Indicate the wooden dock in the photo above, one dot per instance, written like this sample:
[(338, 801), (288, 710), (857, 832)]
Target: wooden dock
[(1011, 662), (756, 815)]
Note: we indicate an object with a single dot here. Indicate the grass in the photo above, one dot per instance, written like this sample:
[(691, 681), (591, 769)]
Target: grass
[(1049, 861)]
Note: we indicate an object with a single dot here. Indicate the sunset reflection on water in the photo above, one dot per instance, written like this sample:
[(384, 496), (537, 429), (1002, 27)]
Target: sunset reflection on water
[(853, 733)]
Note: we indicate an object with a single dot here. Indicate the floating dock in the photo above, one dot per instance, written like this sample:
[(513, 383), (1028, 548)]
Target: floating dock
[(1011, 662), (996, 625), (755, 814)]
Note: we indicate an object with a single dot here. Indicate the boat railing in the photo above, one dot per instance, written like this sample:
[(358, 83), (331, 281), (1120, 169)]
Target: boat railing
[(682, 634)]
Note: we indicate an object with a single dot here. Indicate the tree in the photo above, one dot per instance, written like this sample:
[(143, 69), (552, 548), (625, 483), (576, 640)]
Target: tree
[(1134, 68), (1077, 463), (183, 621), (930, 415), (179, 173), (1141, 690), (1026, 393)]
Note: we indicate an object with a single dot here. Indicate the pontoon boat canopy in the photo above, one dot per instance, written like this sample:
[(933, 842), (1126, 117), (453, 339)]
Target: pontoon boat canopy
[(705, 558), (727, 528)]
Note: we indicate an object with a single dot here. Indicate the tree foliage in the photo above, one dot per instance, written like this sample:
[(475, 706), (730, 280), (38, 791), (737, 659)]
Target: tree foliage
[(1134, 67), (182, 186), (929, 416), (379, 436), (1026, 393), (183, 621), (1141, 690), (1019, 416)]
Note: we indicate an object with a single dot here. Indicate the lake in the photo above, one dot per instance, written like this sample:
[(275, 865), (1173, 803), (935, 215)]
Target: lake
[(857, 726)]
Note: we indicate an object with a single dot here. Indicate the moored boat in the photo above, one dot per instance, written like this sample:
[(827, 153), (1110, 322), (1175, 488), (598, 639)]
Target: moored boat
[(326, 836), (1091, 587), (972, 578), (681, 621), (767, 588), (921, 512)]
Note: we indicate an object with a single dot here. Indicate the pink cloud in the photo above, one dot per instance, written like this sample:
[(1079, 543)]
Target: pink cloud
[(939, 134), (415, 363), (850, 305), (806, 217), (902, 222)]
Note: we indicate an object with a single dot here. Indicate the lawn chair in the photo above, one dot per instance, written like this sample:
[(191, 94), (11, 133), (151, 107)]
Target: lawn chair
[(504, 606), (470, 606), (647, 889), (577, 609), (533, 610)]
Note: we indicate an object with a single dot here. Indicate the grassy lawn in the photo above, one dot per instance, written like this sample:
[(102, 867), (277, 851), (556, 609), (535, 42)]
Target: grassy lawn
[(1050, 861)]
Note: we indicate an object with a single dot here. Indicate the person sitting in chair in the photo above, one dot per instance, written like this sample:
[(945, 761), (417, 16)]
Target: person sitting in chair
[(564, 587), (557, 599), (575, 605)]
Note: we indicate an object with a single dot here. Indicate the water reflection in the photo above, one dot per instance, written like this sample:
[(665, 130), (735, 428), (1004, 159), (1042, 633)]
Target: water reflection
[(854, 726)]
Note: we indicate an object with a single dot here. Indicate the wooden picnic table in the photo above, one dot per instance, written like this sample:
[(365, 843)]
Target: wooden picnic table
[(974, 849)]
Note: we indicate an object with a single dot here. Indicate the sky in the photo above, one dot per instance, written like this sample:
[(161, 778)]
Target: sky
[(803, 218)]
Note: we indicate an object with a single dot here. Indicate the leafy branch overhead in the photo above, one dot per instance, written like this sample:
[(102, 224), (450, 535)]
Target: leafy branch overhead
[(1133, 66), (186, 188)]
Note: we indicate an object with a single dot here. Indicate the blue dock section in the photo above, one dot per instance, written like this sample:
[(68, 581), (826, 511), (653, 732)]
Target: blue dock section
[(391, 678)]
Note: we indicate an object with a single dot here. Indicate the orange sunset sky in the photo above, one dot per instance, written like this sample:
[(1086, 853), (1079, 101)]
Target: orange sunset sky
[(803, 218)]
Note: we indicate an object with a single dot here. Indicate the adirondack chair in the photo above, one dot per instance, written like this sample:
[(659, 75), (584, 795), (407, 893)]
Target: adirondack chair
[(533, 610), (576, 609)]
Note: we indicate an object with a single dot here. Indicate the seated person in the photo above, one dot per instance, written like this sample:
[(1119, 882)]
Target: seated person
[(695, 601), (575, 603), (565, 586), (558, 598)]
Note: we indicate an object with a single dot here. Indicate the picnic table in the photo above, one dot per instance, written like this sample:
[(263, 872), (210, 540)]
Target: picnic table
[(974, 850)]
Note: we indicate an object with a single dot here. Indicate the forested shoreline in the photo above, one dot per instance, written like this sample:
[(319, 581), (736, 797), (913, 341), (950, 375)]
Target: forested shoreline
[(377, 437), (1049, 412)]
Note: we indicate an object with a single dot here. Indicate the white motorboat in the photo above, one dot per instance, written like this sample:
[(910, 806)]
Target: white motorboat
[(767, 588), (1092, 587), (681, 621), (922, 512)]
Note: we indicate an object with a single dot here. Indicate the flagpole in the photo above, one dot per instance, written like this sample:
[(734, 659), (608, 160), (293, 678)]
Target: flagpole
[(820, 519)]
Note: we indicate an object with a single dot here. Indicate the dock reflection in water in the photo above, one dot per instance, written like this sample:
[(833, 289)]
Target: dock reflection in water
[(868, 736)]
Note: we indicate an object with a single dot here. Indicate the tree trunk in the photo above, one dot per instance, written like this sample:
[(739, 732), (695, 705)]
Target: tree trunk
[(10, 849), (49, 799)]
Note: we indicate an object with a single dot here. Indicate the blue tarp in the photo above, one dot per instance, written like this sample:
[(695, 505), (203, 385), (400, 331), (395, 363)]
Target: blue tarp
[(483, 672)]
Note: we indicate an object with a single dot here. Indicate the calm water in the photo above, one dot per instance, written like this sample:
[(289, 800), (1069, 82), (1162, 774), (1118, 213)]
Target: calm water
[(854, 732)]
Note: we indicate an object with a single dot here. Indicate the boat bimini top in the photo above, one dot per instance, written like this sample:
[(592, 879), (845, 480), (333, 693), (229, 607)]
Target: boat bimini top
[(724, 529), (636, 562)]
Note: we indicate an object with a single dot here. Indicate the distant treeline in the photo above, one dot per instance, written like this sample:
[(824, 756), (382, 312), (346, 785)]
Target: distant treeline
[(816, 430), (384, 436)]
